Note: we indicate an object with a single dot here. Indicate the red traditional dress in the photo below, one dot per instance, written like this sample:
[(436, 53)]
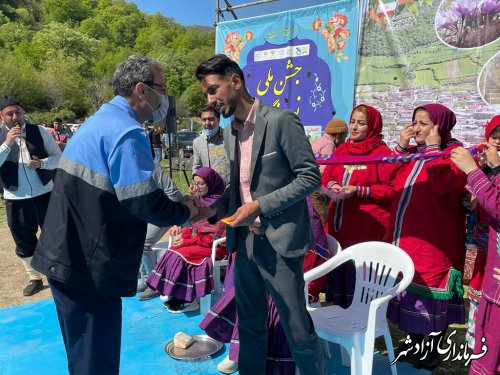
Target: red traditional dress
[(428, 222), (185, 272), (365, 216)]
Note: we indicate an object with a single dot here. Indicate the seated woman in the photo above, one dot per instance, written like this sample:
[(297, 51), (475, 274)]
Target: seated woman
[(185, 270), (221, 323)]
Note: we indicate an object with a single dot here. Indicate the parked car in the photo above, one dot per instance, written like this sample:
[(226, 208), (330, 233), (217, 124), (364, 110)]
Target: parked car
[(182, 142)]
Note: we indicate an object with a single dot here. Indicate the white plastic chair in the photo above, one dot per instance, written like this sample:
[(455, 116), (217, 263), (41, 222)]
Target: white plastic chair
[(161, 247), (333, 245), (378, 265), (206, 301)]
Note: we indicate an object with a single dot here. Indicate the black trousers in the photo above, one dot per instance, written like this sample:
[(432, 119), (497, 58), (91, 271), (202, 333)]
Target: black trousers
[(24, 217), (259, 270), (91, 327)]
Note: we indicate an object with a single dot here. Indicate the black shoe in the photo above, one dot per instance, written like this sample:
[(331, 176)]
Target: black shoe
[(33, 287)]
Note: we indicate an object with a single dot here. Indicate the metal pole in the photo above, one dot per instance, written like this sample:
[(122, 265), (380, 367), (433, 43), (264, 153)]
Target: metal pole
[(170, 154), (229, 8), (248, 4), (217, 12)]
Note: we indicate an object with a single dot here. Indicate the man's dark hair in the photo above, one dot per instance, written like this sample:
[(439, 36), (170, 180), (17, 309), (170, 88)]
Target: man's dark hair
[(219, 64), (209, 108), (57, 119)]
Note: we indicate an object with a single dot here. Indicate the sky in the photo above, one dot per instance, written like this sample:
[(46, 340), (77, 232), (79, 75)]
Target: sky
[(202, 12)]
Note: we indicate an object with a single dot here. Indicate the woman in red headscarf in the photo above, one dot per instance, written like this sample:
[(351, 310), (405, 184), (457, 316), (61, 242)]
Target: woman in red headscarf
[(362, 194), (428, 222)]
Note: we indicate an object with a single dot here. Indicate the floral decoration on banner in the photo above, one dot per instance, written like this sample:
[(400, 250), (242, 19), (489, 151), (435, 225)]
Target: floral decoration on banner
[(235, 43), (335, 33), (469, 23)]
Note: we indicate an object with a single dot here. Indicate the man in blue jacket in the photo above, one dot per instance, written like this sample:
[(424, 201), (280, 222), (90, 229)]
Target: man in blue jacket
[(103, 196)]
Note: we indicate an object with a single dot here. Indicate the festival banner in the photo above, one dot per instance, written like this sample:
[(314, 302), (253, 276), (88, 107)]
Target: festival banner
[(303, 60), (414, 52)]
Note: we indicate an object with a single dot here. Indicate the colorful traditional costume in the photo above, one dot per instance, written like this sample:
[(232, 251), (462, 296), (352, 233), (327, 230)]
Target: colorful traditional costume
[(185, 272), (428, 222), (365, 216), (487, 193)]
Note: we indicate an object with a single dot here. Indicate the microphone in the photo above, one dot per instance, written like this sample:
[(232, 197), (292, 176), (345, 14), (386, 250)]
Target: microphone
[(18, 125)]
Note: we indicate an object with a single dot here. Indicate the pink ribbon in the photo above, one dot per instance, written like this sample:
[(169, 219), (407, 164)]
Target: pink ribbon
[(323, 159)]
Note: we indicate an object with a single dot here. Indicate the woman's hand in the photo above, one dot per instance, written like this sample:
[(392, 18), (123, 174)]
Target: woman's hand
[(174, 230), (335, 187), (491, 155), (349, 192), (463, 160), (433, 138), (177, 242), (406, 135), (192, 190)]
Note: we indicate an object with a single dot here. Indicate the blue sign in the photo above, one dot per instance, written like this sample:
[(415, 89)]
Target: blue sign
[(303, 60)]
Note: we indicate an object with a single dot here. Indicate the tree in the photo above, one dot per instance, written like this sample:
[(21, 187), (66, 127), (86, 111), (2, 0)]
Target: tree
[(62, 41), (117, 21), (13, 33), (21, 80), (71, 11), (64, 86), (193, 98), (157, 36), (57, 56)]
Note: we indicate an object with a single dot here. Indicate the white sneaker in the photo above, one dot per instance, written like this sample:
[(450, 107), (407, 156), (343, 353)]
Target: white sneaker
[(227, 366)]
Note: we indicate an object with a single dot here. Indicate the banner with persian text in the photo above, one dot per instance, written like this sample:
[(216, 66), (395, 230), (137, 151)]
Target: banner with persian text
[(414, 52), (303, 59)]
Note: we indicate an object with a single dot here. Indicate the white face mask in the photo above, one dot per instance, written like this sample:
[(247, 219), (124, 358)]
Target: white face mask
[(158, 114)]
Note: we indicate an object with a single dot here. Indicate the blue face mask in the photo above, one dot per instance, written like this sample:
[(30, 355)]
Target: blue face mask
[(210, 132), (158, 114)]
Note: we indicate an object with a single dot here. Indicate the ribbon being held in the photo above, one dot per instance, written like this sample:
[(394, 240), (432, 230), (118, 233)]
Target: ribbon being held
[(377, 159)]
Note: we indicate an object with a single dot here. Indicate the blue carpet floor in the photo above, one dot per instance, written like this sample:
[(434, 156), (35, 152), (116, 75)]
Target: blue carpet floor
[(30, 342)]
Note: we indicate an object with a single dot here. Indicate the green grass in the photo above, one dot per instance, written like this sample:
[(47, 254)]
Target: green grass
[(425, 77), (179, 177)]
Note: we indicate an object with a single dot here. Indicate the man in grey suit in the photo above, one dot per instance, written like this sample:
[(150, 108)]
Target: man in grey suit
[(208, 148), (272, 170)]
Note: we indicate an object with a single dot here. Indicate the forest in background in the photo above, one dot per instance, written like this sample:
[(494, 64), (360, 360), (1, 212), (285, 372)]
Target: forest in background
[(57, 56)]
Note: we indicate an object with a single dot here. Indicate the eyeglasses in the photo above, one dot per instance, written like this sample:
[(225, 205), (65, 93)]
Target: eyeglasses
[(163, 88), (198, 184)]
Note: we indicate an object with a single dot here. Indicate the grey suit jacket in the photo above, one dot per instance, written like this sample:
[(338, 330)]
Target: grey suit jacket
[(201, 156), (200, 153), (283, 172)]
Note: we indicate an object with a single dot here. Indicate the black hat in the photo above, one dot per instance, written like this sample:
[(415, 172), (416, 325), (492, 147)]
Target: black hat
[(6, 102)]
